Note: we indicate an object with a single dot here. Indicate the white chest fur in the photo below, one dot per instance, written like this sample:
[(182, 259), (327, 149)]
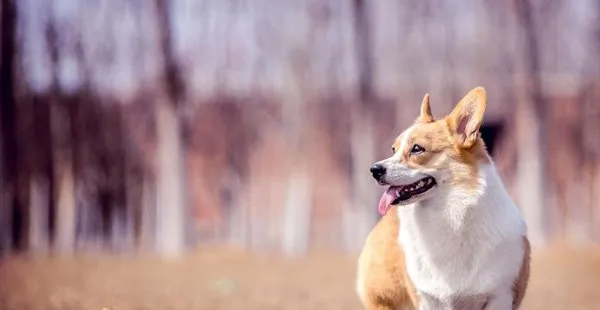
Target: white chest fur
[(464, 243)]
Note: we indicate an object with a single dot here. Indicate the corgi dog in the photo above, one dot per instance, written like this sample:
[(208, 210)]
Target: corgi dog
[(450, 236)]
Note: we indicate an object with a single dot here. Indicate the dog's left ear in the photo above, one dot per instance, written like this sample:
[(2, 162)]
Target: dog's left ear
[(425, 116), (467, 116)]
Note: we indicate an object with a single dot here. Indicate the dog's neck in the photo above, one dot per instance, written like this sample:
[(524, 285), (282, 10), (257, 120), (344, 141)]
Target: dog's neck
[(457, 228)]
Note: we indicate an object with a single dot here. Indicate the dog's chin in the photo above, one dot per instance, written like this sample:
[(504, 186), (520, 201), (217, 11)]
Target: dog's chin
[(417, 191)]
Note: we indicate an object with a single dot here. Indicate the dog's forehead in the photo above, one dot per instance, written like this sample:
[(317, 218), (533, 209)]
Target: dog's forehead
[(415, 131), (403, 139)]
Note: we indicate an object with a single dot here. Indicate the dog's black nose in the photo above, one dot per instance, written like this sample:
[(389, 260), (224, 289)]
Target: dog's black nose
[(377, 170)]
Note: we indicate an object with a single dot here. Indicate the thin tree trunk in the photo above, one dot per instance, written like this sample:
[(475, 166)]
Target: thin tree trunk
[(297, 207), (40, 185), (594, 198), (591, 127), (39, 193), (147, 225), (361, 215), (170, 215), (530, 113), (170, 175), (297, 212), (298, 202), (62, 118), (64, 239)]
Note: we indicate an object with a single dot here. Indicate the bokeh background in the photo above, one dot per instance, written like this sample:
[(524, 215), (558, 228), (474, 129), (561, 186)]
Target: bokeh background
[(214, 154)]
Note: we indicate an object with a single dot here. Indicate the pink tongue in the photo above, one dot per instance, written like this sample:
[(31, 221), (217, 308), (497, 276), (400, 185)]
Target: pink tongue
[(385, 203)]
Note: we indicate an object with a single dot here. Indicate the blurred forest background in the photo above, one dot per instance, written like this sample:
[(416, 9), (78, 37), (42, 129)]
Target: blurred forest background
[(160, 126)]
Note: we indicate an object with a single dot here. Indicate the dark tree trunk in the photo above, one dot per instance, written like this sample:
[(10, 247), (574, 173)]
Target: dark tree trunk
[(14, 215)]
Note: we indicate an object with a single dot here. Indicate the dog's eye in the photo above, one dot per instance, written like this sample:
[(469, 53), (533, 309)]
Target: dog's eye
[(393, 150), (416, 149)]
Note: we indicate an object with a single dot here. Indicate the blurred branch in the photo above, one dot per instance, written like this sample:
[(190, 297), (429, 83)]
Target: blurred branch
[(532, 55), (172, 72), (362, 37)]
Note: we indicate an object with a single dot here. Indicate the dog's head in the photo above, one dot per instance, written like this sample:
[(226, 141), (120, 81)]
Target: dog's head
[(434, 155)]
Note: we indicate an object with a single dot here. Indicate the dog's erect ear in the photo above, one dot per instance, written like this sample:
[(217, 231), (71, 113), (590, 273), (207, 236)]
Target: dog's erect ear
[(425, 116), (467, 116)]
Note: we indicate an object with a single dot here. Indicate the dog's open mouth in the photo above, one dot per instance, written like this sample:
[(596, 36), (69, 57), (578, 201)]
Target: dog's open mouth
[(396, 194)]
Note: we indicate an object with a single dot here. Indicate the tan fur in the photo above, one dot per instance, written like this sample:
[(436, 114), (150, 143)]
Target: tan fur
[(382, 281), (521, 284), (382, 278)]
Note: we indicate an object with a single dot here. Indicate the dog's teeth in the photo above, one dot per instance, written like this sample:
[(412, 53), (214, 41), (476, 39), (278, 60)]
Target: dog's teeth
[(397, 193), (421, 183)]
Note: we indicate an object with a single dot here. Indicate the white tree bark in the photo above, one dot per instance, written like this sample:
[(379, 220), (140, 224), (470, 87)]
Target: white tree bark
[(297, 214), (360, 217), (530, 174), (169, 189)]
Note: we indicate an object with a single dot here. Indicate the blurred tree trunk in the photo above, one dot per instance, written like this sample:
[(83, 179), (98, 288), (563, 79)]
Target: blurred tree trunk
[(449, 72), (298, 201), (590, 126), (62, 154), (39, 204), (14, 216), (594, 118), (530, 113), (40, 189), (145, 210), (7, 194), (361, 215), (170, 178), (146, 236)]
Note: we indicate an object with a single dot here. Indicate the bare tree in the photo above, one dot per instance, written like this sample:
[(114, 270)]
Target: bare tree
[(62, 153), (170, 179), (12, 211), (360, 216), (530, 114), (40, 183), (297, 205)]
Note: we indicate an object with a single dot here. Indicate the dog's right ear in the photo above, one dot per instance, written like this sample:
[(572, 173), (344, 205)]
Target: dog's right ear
[(425, 116)]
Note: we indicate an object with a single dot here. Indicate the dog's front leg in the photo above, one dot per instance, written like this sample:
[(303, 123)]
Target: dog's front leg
[(500, 301)]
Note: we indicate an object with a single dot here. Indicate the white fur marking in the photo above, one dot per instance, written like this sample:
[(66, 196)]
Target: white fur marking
[(463, 243), (404, 141)]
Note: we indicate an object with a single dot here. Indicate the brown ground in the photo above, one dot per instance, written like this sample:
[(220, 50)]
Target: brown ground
[(223, 279)]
